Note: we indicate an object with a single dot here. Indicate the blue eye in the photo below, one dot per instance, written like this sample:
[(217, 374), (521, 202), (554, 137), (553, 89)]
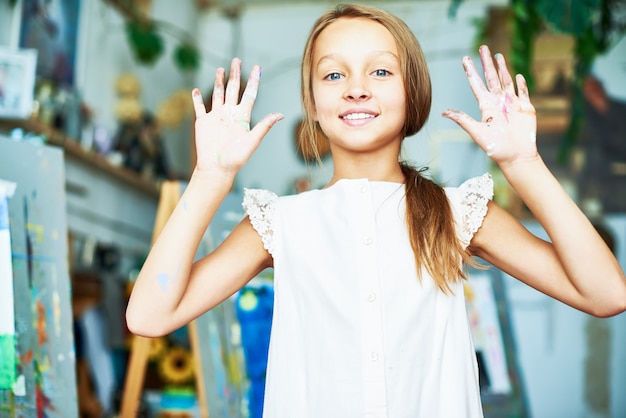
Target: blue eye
[(333, 76), (381, 73)]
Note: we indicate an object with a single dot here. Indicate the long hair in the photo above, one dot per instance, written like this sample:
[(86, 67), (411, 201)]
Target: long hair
[(428, 215)]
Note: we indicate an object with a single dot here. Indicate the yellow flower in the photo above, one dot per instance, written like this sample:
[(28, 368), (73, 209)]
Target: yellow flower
[(169, 115), (176, 366), (128, 109), (128, 85), (181, 99), (175, 108)]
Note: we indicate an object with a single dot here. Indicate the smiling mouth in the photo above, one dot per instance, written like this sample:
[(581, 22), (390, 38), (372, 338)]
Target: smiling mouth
[(358, 116)]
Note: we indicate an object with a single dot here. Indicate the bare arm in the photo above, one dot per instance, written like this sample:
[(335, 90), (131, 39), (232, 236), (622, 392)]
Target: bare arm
[(576, 266), (170, 290)]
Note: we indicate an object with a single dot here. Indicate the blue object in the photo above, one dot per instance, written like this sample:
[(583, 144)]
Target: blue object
[(255, 306)]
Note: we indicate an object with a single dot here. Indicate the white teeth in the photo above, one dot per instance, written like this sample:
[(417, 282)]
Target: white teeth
[(355, 116)]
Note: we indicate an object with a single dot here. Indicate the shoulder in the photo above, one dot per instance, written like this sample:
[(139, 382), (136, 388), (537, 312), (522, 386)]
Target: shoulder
[(475, 187), (261, 207), (469, 205)]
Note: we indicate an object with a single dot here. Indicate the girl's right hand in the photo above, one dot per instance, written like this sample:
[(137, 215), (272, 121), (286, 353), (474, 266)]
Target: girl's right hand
[(224, 140)]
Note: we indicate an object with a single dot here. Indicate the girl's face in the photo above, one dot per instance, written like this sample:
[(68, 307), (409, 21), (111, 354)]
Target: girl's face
[(358, 87)]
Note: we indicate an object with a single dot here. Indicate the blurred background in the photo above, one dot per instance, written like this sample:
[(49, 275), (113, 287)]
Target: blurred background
[(96, 142)]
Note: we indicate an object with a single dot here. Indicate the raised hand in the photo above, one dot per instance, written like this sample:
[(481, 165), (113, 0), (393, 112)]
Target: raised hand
[(224, 140), (508, 126)]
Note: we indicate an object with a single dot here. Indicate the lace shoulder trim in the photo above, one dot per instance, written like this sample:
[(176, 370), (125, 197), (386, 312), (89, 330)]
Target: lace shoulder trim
[(259, 205), (474, 195)]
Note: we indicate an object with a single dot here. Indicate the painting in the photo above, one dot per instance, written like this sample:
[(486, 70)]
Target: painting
[(51, 28), (38, 370), (501, 387), (17, 82)]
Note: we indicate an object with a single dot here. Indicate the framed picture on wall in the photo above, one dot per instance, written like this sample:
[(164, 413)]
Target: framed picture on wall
[(17, 82), (51, 28)]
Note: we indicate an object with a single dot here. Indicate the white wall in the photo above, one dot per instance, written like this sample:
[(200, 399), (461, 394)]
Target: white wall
[(611, 69)]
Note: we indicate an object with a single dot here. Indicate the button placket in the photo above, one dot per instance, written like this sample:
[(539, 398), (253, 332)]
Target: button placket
[(371, 318)]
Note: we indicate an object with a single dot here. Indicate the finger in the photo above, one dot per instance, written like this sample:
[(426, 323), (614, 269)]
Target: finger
[(483, 134), (522, 88), (252, 87), (218, 89), (198, 103), (465, 121), (491, 75), (475, 82), (505, 77), (263, 127), (234, 80)]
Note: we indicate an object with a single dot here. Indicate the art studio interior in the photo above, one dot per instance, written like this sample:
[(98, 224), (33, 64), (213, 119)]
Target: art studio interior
[(97, 147)]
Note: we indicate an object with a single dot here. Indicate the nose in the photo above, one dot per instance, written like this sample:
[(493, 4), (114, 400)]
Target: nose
[(357, 90)]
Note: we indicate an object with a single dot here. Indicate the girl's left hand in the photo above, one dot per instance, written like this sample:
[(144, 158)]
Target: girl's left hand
[(508, 126)]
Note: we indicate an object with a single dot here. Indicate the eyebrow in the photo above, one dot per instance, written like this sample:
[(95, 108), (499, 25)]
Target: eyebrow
[(375, 54)]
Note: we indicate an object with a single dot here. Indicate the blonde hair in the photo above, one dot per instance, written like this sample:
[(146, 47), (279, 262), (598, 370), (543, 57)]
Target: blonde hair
[(428, 215)]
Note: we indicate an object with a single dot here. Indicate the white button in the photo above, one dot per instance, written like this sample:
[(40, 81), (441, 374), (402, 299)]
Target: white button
[(368, 241), (373, 356), (363, 189), (371, 297)]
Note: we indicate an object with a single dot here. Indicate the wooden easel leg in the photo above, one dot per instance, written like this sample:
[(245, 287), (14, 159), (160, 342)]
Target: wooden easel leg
[(197, 359), (135, 374)]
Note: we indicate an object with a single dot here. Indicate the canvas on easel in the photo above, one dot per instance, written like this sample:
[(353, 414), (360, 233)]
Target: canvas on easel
[(44, 379)]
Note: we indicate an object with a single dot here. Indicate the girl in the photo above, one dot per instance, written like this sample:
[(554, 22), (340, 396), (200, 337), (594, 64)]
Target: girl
[(370, 316)]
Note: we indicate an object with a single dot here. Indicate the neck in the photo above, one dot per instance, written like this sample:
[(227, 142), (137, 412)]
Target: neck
[(371, 170)]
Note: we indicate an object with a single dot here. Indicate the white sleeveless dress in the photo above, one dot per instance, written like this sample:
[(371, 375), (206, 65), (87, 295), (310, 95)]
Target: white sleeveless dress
[(355, 334)]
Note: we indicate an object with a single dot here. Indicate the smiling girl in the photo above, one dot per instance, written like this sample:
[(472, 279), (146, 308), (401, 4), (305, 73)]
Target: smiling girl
[(369, 315)]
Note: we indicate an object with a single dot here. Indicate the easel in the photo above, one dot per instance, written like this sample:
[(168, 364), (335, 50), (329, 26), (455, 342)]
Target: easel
[(135, 373)]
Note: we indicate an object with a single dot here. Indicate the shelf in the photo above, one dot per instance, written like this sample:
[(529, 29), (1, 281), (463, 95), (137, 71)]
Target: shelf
[(72, 148)]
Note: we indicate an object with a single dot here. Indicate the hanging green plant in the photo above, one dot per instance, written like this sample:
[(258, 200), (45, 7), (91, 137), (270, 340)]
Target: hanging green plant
[(145, 42), (526, 26), (145, 37), (187, 57), (571, 17)]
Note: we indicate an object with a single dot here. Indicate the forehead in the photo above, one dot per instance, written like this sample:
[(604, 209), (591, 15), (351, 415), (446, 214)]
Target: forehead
[(353, 36)]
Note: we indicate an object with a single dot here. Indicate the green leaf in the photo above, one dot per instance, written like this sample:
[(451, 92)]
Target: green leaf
[(453, 8), (569, 16), (145, 42), (187, 57)]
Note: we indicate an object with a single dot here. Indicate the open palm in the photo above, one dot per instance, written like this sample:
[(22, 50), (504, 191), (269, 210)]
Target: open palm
[(224, 140), (508, 125)]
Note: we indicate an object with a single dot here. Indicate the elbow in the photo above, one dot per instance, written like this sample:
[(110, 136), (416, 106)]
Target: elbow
[(142, 325), (612, 306), (610, 310)]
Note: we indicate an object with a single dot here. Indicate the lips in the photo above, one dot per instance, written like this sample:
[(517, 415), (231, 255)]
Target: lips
[(358, 115)]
